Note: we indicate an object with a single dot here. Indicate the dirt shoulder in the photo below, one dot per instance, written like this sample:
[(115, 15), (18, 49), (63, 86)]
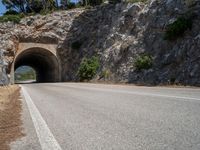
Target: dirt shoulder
[(10, 116)]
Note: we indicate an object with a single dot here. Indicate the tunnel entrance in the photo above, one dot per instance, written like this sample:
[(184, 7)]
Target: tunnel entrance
[(44, 62)]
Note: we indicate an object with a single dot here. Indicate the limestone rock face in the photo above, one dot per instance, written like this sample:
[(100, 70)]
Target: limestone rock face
[(118, 34), (3, 76), (49, 29)]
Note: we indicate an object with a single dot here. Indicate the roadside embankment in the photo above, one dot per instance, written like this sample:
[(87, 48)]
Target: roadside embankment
[(10, 115)]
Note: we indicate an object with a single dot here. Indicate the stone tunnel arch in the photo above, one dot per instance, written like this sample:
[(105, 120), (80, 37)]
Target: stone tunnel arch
[(44, 61)]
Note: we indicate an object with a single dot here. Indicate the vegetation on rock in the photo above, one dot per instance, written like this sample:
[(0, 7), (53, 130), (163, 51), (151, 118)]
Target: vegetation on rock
[(143, 61), (11, 12), (177, 28), (88, 68), (41, 6), (12, 18), (24, 6), (118, 33), (105, 74), (16, 7)]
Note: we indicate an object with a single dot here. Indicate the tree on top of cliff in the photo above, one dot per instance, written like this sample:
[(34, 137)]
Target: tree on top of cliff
[(18, 5), (30, 5), (92, 2)]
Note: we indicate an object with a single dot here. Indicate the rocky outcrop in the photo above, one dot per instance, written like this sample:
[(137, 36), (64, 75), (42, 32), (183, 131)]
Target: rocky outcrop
[(118, 34), (3, 76), (49, 29)]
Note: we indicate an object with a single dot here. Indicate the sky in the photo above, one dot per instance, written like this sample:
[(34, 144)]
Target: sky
[(3, 9)]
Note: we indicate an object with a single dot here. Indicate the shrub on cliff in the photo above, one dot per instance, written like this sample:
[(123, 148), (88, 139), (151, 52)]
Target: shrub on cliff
[(36, 7), (144, 61), (12, 18), (88, 68), (177, 28), (105, 74), (11, 12)]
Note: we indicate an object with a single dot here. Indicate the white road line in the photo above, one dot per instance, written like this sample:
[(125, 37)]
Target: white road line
[(46, 138), (136, 93)]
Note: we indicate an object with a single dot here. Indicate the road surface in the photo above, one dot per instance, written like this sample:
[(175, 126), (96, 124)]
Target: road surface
[(80, 116)]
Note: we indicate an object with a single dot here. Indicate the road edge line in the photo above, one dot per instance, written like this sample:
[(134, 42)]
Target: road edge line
[(44, 134)]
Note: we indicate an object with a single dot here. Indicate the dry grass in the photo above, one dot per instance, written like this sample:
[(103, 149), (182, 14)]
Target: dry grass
[(10, 116)]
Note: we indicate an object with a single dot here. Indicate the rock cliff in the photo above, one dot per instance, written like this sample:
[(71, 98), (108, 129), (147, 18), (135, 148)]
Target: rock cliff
[(118, 34)]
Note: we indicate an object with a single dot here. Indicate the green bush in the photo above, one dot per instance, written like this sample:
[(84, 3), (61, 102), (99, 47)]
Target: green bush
[(144, 61), (11, 12), (45, 12), (71, 5), (12, 18), (178, 28), (88, 68), (79, 5), (36, 6)]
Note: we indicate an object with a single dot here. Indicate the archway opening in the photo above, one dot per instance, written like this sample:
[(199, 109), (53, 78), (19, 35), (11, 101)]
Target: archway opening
[(25, 74), (42, 61)]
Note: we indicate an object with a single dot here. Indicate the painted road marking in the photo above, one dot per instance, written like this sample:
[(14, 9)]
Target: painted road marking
[(46, 138)]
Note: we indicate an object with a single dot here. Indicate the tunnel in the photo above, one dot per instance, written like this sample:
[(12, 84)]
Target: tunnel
[(43, 61)]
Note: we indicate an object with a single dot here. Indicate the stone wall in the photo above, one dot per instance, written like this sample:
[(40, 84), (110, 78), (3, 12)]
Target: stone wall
[(118, 34)]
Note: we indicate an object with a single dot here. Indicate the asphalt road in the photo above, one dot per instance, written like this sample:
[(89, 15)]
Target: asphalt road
[(82, 116)]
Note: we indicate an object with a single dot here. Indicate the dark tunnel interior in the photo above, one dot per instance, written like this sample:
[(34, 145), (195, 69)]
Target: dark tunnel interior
[(42, 61)]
